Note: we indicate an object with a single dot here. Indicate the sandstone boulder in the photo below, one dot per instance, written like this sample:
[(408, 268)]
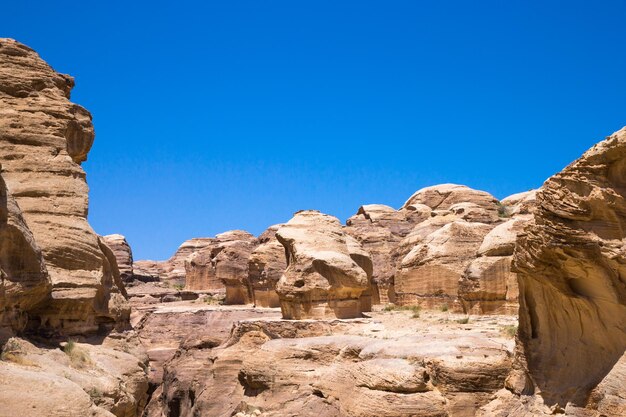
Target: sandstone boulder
[(325, 275)]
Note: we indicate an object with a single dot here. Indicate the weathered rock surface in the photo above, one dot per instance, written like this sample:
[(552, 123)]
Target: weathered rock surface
[(327, 273), (379, 229), (391, 366), (223, 264), (86, 380), (172, 270), (265, 267), (163, 329), (123, 255), (459, 256), (43, 139), (571, 269), (24, 281)]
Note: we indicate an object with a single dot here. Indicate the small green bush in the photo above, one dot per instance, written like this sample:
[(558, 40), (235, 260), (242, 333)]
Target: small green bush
[(509, 330), (464, 320), (503, 211), (444, 308)]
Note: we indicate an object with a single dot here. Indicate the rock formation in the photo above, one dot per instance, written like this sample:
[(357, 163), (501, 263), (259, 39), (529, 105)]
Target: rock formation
[(43, 139), (223, 264), (327, 273), (123, 255), (357, 368), (571, 271), (379, 229), (24, 281), (265, 267), (172, 270), (458, 253), (57, 277)]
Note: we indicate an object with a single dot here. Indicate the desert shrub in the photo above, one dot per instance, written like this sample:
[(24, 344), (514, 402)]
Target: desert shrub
[(444, 308), (509, 330), (12, 352), (464, 320), (78, 355), (503, 211)]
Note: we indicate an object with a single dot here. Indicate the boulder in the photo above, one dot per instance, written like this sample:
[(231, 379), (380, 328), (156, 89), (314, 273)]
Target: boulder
[(325, 275)]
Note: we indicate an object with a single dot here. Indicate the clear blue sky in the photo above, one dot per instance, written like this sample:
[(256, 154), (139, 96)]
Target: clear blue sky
[(216, 115)]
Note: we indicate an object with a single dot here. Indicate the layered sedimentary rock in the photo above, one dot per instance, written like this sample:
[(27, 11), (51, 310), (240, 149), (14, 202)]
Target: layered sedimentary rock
[(85, 380), (328, 272), (123, 255), (571, 266), (223, 264), (172, 270), (24, 282), (459, 256), (379, 229), (265, 267), (357, 368), (43, 139)]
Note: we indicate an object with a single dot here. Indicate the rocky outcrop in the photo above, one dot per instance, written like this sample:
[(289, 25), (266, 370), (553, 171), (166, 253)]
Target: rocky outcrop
[(355, 368), (459, 256), (123, 255), (80, 380), (223, 264), (43, 139), (379, 229), (265, 267), (172, 270), (327, 273), (571, 269)]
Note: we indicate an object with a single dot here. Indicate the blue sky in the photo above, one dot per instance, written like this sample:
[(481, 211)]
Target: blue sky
[(212, 116)]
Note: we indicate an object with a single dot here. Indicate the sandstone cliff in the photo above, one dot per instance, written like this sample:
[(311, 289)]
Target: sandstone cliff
[(43, 139), (571, 270)]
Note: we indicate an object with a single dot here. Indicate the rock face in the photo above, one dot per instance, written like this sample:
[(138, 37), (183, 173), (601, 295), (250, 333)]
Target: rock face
[(327, 273), (265, 267), (356, 368), (459, 250), (223, 264), (24, 282), (571, 266), (86, 380), (123, 255), (43, 139), (379, 229), (171, 271)]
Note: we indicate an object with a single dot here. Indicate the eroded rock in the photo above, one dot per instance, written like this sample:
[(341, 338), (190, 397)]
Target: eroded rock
[(325, 275)]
